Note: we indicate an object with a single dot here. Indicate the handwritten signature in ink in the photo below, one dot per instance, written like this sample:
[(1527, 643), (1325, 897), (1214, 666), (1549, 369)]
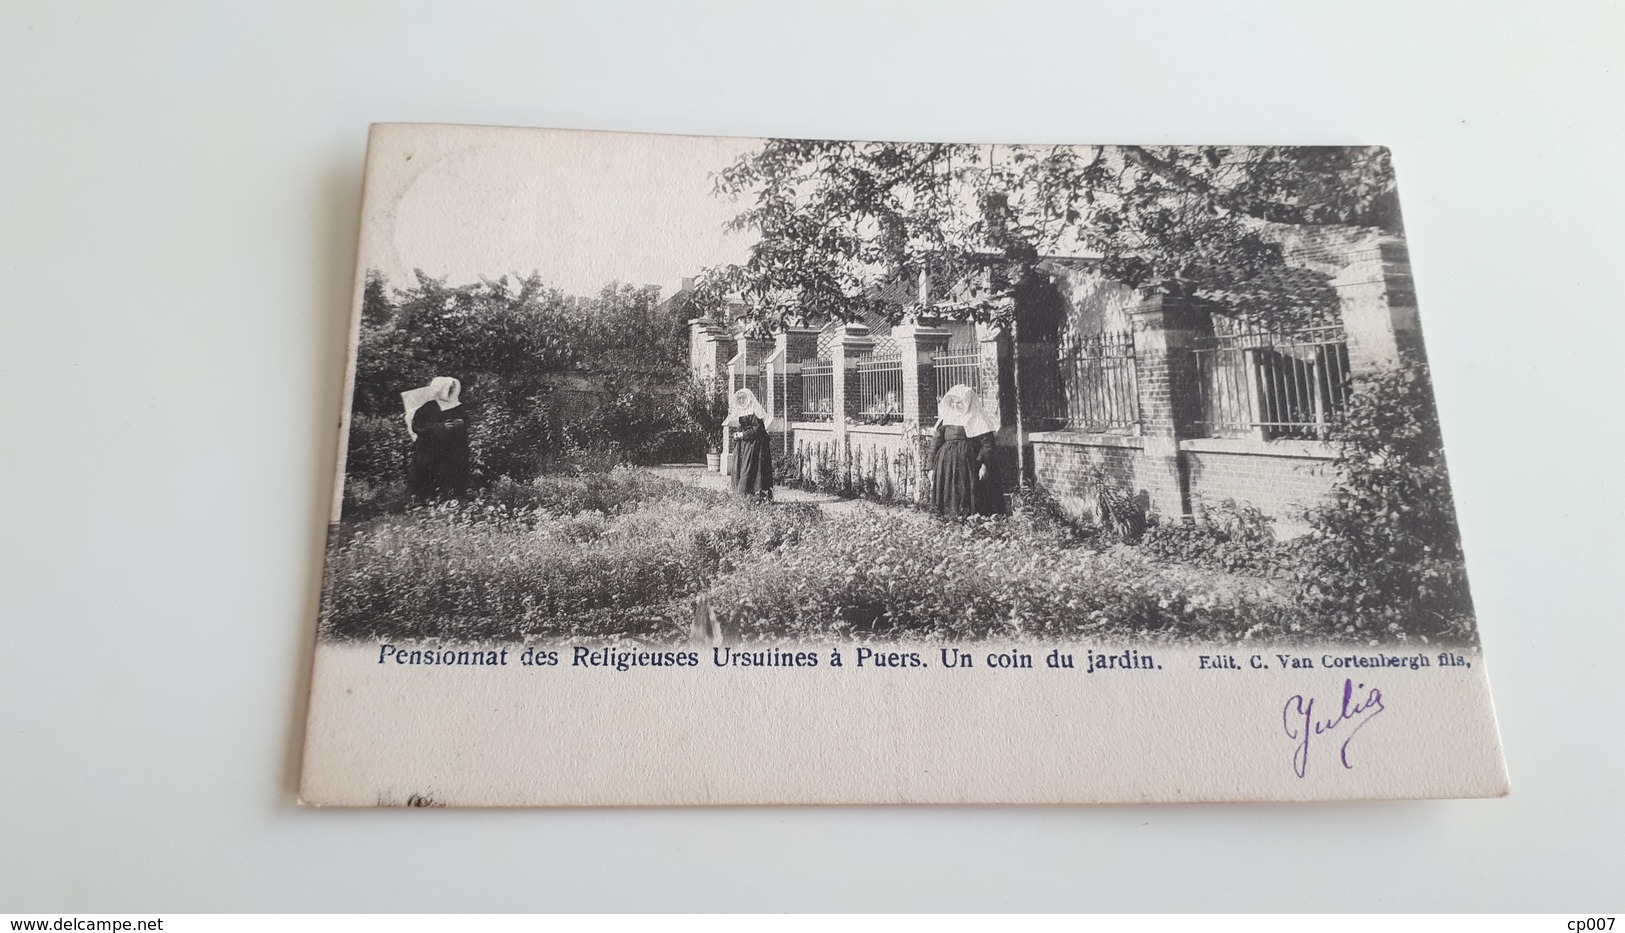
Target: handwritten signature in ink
[(1360, 705)]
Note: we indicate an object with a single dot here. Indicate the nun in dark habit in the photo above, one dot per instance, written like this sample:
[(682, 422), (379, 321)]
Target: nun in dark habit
[(438, 423), (960, 457), (752, 455)]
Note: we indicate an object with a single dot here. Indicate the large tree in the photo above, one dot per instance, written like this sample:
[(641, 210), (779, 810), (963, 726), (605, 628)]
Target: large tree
[(835, 219)]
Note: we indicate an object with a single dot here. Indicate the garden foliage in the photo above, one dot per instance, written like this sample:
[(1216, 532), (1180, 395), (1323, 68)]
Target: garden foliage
[(604, 553), (1226, 535), (624, 553), (705, 403), (550, 379), (601, 555), (1384, 553), (833, 216), (886, 574), (1383, 556)]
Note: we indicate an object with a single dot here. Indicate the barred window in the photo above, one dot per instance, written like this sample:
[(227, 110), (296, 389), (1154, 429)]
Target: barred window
[(880, 390), (1273, 385), (817, 390), (1100, 381)]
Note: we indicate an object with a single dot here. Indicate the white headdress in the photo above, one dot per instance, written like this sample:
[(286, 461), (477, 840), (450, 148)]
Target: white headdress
[(743, 402), (968, 414), (442, 390)]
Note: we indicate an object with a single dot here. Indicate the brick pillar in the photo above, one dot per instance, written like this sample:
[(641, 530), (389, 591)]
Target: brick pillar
[(732, 375), (1378, 301), (854, 344), (1170, 402), (744, 371), (750, 353), (999, 402), (997, 397), (770, 394), (918, 344), (709, 347), (791, 348)]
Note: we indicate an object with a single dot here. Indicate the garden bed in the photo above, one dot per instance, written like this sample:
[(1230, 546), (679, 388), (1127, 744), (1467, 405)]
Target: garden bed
[(617, 554), (624, 555)]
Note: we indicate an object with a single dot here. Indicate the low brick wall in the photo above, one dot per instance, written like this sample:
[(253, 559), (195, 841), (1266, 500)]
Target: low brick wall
[(806, 434), (886, 440), (883, 459), (1065, 462), (1283, 479)]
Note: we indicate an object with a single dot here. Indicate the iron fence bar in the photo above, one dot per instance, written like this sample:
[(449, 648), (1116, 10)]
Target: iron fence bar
[(1273, 384), (817, 390), (1100, 376), (880, 388)]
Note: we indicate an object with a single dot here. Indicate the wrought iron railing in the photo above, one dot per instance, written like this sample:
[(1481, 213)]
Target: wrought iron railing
[(880, 390), (1100, 381), (817, 390), (1273, 385)]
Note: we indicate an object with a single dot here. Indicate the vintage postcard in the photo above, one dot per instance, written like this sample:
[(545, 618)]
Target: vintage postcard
[(682, 470)]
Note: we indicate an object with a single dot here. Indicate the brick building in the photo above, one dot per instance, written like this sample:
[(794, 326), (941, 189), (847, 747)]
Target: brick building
[(1171, 402)]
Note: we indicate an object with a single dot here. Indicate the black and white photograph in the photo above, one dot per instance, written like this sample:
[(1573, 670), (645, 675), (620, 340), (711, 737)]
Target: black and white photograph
[(756, 390), (1011, 418)]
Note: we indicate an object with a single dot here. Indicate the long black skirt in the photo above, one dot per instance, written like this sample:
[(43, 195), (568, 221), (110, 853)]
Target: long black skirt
[(753, 468), (955, 490)]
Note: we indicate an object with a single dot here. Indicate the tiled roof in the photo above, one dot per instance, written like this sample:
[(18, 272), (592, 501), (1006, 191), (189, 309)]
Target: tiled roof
[(1281, 295)]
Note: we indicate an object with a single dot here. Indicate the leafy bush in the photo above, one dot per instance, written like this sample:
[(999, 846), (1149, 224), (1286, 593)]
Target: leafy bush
[(366, 497), (704, 403), (377, 448), (512, 342), (513, 441), (375, 465), (1036, 517), (621, 557), (1383, 556), (1228, 536), (1120, 515), (886, 574), (646, 426)]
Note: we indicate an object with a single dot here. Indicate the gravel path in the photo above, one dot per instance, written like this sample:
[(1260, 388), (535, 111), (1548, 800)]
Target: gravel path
[(700, 476)]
